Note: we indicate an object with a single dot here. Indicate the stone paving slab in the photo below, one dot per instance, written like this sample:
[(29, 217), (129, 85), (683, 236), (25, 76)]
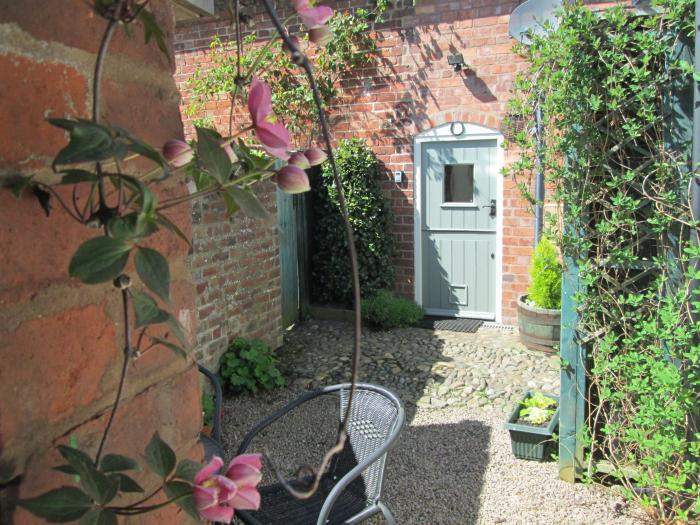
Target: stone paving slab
[(426, 368)]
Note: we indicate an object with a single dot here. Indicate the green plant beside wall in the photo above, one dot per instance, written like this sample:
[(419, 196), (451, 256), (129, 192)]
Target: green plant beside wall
[(350, 48), (371, 220), (249, 366), (545, 274), (385, 310), (611, 151)]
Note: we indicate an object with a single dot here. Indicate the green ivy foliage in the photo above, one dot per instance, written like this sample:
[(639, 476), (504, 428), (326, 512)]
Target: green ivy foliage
[(612, 151), (371, 220), (248, 366), (545, 274), (292, 99), (385, 310)]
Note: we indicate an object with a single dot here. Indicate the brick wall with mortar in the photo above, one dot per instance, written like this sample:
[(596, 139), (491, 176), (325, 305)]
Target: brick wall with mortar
[(236, 270), (411, 88), (60, 340), (235, 264)]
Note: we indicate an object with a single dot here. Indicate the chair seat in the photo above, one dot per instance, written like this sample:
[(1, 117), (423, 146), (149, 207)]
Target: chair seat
[(211, 447), (278, 507)]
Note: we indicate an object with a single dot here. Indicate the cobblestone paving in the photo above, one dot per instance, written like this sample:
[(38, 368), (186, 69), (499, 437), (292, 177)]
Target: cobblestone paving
[(426, 368)]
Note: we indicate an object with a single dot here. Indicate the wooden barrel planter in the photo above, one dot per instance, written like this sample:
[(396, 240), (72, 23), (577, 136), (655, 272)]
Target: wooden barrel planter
[(539, 328)]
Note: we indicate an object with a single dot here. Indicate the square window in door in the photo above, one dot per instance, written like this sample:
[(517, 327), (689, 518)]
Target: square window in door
[(459, 183)]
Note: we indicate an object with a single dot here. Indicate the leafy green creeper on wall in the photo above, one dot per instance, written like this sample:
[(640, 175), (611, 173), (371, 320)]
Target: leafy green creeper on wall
[(371, 220)]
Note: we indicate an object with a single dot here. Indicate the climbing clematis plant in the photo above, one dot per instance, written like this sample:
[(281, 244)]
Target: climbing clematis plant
[(272, 134), (98, 161)]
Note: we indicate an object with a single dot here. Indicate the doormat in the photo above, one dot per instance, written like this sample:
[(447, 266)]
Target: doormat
[(450, 323)]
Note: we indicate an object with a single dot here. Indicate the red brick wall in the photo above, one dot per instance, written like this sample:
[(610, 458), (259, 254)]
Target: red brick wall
[(60, 340), (236, 271), (235, 264), (410, 89)]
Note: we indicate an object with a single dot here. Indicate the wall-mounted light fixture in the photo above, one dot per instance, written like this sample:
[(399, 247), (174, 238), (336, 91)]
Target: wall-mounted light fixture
[(456, 61)]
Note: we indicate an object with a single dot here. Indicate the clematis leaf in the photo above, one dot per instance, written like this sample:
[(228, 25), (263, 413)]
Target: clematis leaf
[(89, 142), (147, 310), (99, 517), (18, 183), (187, 469), (160, 457), (117, 463), (95, 483), (180, 489), (248, 202), (213, 157), (151, 29), (59, 505), (78, 176), (170, 346), (126, 483), (99, 260), (167, 223), (154, 271)]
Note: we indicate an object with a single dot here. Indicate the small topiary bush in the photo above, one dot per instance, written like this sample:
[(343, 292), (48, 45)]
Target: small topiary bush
[(249, 365), (371, 220), (545, 290), (385, 310)]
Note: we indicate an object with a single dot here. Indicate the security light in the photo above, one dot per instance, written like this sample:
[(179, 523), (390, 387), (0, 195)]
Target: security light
[(456, 61)]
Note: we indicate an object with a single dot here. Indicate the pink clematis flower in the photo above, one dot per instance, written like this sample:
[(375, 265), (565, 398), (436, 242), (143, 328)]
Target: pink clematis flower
[(273, 135), (320, 35), (244, 471), (292, 179), (315, 156), (177, 153), (299, 160), (312, 16), (216, 497), (213, 493)]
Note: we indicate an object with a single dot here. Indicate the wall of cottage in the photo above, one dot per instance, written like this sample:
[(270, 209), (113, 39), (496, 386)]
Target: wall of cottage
[(411, 88)]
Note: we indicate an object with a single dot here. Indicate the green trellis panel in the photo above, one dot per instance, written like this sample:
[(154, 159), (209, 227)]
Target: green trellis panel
[(572, 403), (574, 395)]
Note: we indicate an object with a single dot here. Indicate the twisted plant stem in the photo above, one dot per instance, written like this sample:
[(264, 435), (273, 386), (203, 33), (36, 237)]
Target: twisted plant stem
[(97, 90), (123, 280), (302, 60)]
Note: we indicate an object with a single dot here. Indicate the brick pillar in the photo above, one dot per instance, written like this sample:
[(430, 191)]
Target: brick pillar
[(60, 340)]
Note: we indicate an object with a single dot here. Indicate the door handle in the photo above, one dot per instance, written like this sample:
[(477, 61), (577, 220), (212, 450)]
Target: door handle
[(492, 206)]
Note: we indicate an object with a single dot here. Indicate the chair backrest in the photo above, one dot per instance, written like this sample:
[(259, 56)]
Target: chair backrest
[(376, 419)]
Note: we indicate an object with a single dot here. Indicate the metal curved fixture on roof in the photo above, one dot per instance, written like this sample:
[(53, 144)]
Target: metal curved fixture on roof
[(530, 16)]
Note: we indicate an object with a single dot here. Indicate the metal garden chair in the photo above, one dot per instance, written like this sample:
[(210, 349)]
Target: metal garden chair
[(212, 444), (350, 491)]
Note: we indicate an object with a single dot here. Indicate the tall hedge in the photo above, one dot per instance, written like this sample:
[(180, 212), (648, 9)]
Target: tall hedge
[(371, 220)]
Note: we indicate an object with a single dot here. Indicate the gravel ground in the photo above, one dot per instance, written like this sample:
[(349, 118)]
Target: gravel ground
[(452, 465)]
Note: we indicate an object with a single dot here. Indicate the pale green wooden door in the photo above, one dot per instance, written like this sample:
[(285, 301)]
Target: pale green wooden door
[(459, 228)]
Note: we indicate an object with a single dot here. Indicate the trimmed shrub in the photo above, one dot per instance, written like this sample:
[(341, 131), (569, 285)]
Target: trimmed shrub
[(385, 310), (249, 365), (371, 220), (545, 290)]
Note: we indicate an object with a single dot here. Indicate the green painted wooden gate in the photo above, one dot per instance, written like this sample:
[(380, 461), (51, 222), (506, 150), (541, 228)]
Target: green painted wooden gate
[(294, 260)]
